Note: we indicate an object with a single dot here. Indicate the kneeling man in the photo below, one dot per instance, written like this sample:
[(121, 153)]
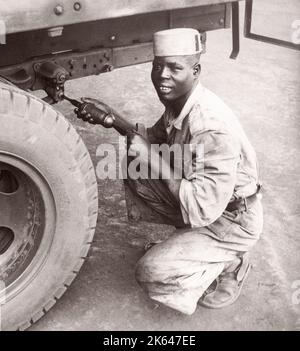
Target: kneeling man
[(213, 203)]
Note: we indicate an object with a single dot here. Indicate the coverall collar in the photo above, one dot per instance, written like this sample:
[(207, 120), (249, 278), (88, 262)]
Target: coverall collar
[(177, 122)]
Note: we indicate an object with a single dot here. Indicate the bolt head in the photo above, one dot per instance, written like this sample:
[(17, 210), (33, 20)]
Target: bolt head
[(58, 10), (77, 6)]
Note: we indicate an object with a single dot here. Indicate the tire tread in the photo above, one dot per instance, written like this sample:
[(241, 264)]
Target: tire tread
[(53, 121)]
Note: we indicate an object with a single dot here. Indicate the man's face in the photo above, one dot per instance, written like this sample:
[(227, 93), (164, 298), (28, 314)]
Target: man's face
[(173, 77)]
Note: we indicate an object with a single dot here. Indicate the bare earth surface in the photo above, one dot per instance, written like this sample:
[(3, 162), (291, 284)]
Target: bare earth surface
[(262, 87)]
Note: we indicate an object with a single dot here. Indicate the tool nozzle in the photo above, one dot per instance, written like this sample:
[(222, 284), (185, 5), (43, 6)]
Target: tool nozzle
[(72, 101)]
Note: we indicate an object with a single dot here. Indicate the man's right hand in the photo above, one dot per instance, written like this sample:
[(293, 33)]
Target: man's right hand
[(99, 104), (138, 144)]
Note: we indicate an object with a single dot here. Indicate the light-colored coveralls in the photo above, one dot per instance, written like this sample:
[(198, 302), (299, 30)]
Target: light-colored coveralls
[(178, 271)]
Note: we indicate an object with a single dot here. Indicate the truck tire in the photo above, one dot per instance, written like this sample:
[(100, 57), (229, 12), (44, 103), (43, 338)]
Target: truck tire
[(48, 207)]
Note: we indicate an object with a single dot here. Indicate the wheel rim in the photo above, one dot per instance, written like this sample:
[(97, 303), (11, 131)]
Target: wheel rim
[(27, 222)]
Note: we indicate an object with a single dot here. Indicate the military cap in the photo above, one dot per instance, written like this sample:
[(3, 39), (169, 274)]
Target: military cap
[(176, 42)]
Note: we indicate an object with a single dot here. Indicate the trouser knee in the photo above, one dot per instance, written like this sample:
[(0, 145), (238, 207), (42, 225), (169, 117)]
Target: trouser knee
[(146, 270)]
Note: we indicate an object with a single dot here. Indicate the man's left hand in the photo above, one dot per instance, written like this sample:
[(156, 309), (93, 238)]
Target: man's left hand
[(139, 145)]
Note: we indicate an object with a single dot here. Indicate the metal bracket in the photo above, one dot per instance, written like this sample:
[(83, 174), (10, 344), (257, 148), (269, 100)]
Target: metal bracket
[(235, 30), (265, 39), (53, 78)]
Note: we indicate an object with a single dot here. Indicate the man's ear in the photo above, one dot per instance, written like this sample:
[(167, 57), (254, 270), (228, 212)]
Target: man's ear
[(197, 70)]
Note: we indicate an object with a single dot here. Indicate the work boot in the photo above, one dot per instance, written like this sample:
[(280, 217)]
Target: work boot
[(227, 288)]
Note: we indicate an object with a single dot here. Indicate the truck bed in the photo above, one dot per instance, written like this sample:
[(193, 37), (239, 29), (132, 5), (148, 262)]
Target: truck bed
[(27, 15)]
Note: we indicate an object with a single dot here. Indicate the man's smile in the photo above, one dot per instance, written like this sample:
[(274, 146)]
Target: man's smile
[(164, 89)]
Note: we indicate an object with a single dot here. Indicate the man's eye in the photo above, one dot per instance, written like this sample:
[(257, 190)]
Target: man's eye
[(157, 67), (176, 68)]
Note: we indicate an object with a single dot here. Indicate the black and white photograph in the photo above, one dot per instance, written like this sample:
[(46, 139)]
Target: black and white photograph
[(150, 168)]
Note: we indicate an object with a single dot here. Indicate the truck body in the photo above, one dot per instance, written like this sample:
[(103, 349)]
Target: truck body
[(91, 37)]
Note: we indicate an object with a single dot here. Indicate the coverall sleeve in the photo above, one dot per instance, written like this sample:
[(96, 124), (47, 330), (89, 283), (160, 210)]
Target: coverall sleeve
[(210, 177)]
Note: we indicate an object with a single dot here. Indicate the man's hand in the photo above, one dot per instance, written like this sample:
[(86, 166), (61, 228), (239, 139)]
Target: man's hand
[(97, 112), (139, 145), (101, 106)]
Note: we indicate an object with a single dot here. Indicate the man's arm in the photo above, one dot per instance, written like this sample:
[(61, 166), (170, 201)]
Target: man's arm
[(157, 133), (160, 170), (209, 185)]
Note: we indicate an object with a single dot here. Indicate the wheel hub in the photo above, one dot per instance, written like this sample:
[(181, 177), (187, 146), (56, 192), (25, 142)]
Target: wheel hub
[(23, 197)]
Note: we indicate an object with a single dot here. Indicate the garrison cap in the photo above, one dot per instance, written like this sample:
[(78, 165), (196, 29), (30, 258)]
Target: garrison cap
[(176, 42)]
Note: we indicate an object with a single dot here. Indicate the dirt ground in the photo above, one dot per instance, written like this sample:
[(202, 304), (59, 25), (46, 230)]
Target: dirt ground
[(262, 87)]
